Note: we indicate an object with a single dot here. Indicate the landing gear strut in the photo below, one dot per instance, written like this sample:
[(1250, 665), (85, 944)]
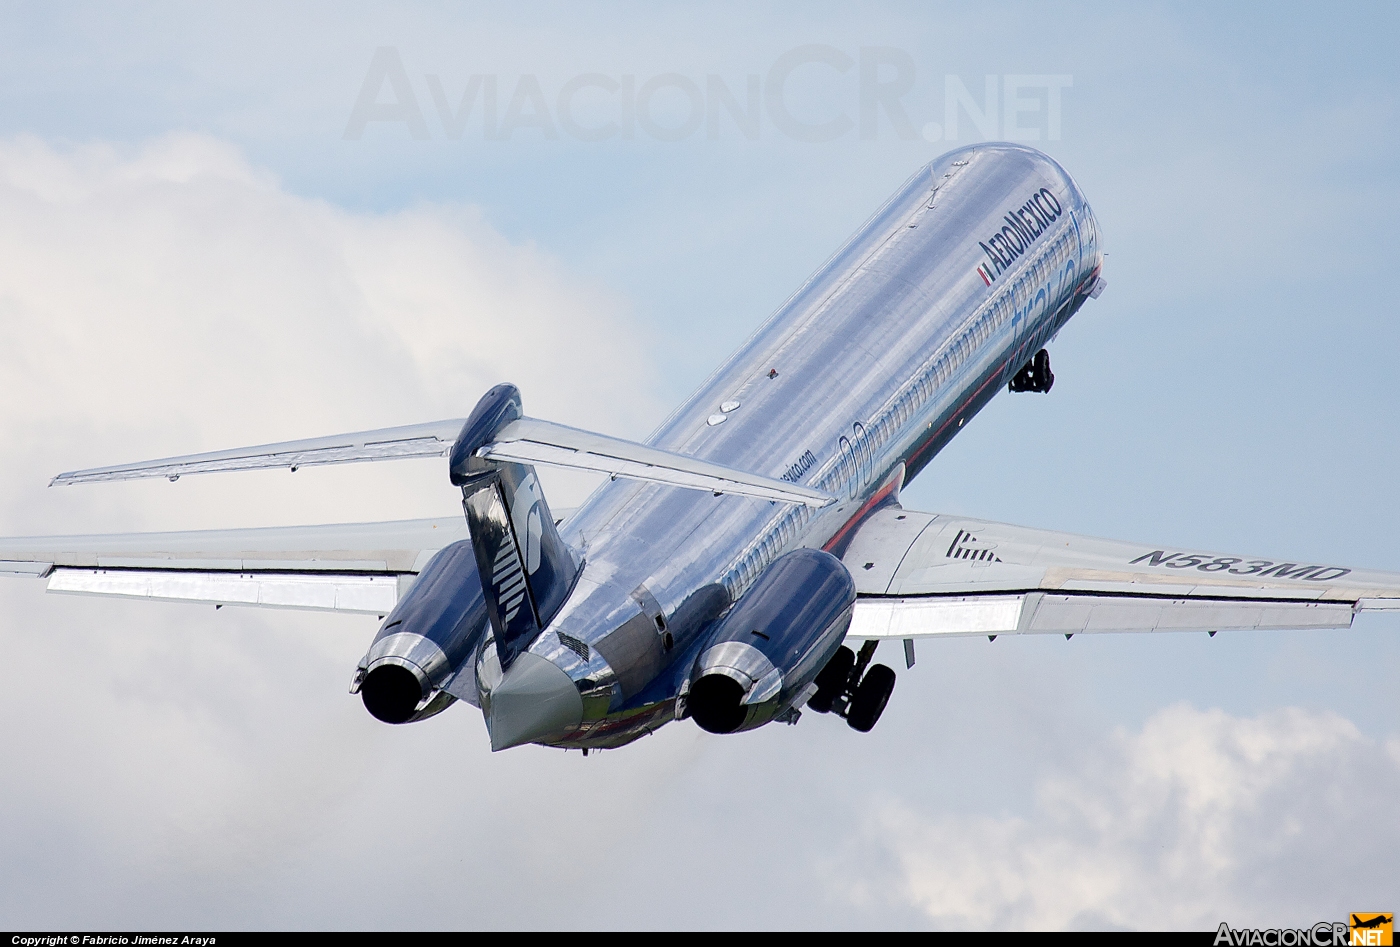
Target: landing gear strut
[(1035, 376), (846, 688)]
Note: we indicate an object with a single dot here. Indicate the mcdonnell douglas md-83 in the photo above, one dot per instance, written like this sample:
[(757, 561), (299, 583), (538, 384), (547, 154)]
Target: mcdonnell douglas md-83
[(718, 572)]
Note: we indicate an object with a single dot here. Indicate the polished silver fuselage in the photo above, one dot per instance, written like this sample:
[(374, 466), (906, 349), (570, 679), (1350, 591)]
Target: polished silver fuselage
[(851, 387)]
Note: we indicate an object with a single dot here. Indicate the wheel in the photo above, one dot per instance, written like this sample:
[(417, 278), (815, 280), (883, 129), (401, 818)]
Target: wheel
[(871, 697), (1044, 377), (831, 680)]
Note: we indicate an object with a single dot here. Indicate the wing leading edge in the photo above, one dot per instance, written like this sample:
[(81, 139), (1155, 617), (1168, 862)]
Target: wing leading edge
[(924, 575)]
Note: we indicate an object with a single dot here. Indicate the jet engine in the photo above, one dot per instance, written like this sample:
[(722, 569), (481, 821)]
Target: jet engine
[(429, 635), (762, 658)]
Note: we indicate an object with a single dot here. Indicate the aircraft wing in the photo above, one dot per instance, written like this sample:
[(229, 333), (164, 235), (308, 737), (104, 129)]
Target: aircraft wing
[(922, 575), (356, 567)]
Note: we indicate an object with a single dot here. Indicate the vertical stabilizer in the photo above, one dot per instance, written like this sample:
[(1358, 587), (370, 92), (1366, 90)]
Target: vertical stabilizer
[(526, 569)]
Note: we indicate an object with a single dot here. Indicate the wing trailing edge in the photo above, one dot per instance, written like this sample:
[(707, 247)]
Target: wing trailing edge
[(1046, 613)]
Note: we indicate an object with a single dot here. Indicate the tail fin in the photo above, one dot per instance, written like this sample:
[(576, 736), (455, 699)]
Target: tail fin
[(526, 569)]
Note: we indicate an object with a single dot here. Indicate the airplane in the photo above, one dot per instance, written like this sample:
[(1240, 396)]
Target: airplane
[(1378, 920), (721, 569)]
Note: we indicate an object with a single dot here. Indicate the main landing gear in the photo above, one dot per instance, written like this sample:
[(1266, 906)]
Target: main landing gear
[(846, 688), (1035, 376)]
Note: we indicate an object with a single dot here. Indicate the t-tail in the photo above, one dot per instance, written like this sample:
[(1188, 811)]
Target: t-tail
[(526, 569)]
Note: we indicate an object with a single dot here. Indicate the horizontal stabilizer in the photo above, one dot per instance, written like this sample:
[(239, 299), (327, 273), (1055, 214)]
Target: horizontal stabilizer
[(525, 441), (433, 439), (531, 441)]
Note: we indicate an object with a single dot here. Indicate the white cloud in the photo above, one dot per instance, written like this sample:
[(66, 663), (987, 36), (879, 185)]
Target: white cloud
[(1199, 817), (173, 297)]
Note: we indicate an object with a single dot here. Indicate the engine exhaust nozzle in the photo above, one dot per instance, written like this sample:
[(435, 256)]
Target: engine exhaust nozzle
[(391, 693), (401, 671), (716, 703)]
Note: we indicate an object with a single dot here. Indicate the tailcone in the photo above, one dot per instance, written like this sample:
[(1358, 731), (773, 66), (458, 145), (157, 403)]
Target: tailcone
[(534, 700)]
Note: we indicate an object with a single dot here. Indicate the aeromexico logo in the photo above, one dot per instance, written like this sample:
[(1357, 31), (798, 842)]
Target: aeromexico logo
[(525, 517), (1023, 226)]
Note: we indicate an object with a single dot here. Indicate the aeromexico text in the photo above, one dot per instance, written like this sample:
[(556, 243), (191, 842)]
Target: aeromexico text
[(1023, 225)]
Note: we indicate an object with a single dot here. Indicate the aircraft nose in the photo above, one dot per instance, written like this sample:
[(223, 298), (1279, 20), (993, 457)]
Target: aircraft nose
[(534, 699)]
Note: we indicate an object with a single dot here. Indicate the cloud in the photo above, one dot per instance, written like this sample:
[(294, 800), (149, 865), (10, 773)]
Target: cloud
[(1180, 825), (171, 297)]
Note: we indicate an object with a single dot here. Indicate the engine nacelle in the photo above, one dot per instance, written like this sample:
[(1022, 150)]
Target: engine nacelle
[(430, 633), (762, 658)]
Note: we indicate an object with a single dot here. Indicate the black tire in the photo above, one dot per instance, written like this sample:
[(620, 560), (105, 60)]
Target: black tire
[(1044, 377), (871, 697), (831, 680)]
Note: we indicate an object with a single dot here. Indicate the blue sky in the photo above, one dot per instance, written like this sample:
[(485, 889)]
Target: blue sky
[(200, 258)]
